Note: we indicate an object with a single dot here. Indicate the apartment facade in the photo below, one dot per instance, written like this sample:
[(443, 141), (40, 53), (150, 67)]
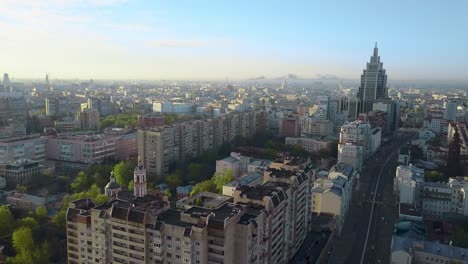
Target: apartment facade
[(160, 146), (87, 119), (32, 147), (87, 149), (332, 195)]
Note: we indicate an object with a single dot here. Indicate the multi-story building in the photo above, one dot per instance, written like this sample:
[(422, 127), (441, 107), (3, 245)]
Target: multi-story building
[(85, 149), (160, 146), (373, 83), (357, 133), (310, 144), (87, 119), (151, 120), (332, 195), (173, 107), (442, 200), (450, 113), (351, 154), (407, 185), (265, 224), (56, 106), (12, 115), (24, 172), (32, 147), (103, 105), (290, 126), (235, 162)]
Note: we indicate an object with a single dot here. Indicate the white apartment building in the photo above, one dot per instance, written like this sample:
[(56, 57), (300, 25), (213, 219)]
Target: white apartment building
[(332, 195), (351, 154), (441, 200), (407, 184), (357, 133)]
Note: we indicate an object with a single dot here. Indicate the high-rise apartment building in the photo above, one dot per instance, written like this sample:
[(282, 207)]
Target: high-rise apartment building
[(13, 114), (158, 147), (263, 224), (357, 133), (87, 119), (373, 83), (450, 111), (6, 84)]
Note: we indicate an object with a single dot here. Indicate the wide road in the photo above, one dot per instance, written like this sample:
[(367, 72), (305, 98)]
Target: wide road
[(367, 239)]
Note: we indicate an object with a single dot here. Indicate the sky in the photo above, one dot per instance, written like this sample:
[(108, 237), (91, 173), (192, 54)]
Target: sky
[(137, 39)]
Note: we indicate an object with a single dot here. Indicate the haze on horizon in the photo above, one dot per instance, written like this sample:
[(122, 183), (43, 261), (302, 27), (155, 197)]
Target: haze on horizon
[(119, 39)]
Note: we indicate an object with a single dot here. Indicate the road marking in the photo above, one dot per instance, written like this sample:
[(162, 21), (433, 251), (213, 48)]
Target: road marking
[(372, 208)]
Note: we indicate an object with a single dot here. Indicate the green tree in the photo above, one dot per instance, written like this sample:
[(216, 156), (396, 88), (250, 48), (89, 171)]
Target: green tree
[(21, 188), (29, 222), (59, 219), (7, 220), (204, 186), (81, 182), (41, 213), (434, 176), (101, 198), (22, 240), (194, 172), (174, 179), (221, 178), (131, 185), (123, 173)]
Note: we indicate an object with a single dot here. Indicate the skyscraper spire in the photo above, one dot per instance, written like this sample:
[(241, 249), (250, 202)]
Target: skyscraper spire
[(376, 51)]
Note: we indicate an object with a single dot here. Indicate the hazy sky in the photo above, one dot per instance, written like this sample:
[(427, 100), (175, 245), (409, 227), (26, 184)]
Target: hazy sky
[(236, 39)]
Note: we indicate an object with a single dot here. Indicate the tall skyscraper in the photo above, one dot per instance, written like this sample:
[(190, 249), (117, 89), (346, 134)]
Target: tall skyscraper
[(450, 111), (47, 80), (6, 83), (373, 83)]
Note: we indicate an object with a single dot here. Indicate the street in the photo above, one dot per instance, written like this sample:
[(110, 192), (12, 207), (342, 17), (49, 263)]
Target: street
[(368, 229)]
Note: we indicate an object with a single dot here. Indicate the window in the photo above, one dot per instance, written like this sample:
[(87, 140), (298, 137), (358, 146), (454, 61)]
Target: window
[(168, 237), (197, 243), (169, 246), (169, 255), (177, 257), (177, 248), (177, 239)]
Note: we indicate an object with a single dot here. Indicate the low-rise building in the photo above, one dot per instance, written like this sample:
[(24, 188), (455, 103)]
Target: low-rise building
[(235, 162), (311, 144), (251, 179)]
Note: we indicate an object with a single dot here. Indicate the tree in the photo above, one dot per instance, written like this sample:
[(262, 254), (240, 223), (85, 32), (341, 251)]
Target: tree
[(434, 176), (28, 222), (41, 213), (81, 182), (204, 186), (101, 199), (21, 188), (123, 173), (221, 178), (6, 220), (22, 240), (59, 219), (194, 172), (131, 185), (174, 179)]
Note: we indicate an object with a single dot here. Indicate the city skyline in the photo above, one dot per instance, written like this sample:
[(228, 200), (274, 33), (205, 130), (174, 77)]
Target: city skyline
[(118, 39)]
